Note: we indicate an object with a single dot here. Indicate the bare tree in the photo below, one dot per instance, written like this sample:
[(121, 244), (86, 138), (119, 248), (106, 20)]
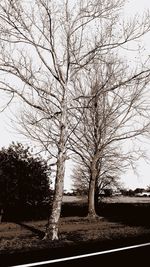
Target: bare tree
[(110, 168), (45, 46), (107, 118)]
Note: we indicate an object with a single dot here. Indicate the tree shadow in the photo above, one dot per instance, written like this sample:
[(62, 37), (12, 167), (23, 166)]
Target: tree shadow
[(32, 229), (129, 214), (74, 236)]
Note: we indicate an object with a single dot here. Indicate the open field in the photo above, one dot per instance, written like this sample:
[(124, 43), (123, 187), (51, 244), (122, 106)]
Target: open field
[(70, 199), (114, 199), (126, 199)]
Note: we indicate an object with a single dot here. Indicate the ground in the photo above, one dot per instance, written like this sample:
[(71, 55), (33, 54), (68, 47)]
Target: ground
[(15, 237), (122, 221)]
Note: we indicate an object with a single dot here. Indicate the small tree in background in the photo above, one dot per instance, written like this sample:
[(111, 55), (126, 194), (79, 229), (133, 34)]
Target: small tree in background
[(148, 188), (24, 181)]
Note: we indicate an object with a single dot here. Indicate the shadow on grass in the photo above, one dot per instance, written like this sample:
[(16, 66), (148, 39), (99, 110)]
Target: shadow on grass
[(126, 213), (74, 236), (32, 229), (129, 214)]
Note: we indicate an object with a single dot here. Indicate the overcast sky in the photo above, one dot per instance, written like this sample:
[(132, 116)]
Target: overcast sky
[(130, 180)]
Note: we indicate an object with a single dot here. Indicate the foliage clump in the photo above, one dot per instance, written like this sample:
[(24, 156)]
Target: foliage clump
[(24, 180)]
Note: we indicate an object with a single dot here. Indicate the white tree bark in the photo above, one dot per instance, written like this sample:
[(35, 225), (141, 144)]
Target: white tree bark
[(52, 227)]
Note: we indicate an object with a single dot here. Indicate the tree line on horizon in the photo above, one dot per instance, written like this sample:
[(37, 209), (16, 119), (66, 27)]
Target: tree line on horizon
[(81, 96)]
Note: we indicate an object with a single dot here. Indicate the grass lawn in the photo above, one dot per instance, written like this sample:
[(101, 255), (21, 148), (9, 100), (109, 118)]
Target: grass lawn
[(121, 224), (73, 230)]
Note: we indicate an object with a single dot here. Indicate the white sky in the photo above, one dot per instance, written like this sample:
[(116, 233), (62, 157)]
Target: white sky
[(130, 180)]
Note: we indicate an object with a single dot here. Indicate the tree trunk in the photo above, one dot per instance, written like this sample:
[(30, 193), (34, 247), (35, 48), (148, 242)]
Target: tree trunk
[(52, 227), (1, 215), (96, 196), (91, 194)]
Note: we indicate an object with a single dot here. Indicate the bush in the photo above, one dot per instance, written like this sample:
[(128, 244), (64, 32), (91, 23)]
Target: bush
[(24, 181)]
